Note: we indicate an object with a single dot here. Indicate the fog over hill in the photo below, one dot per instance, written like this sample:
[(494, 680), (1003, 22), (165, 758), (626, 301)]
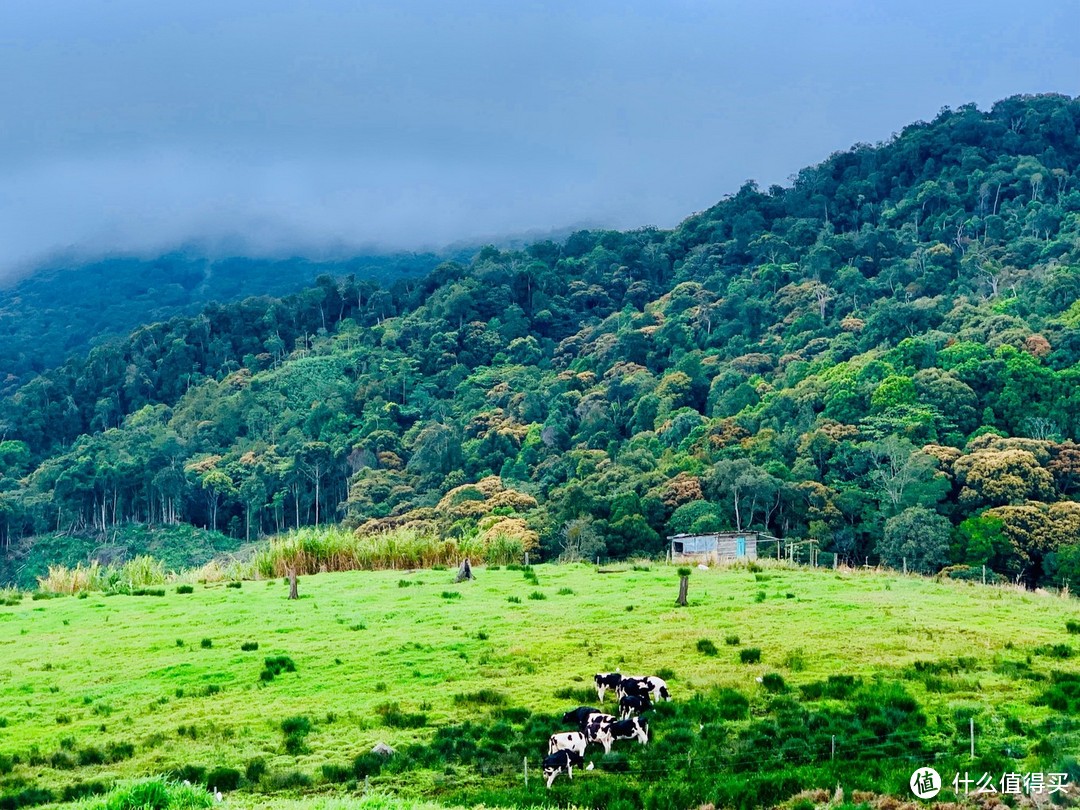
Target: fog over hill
[(293, 126)]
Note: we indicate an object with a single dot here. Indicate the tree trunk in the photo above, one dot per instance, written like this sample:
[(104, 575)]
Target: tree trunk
[(292, 584), (684, 584)]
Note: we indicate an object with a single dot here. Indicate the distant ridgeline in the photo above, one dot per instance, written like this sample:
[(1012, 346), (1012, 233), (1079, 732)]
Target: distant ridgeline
[(882, 358), (47, 315)]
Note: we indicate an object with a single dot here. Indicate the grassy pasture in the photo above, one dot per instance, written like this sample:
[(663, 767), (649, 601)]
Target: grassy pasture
[(380, 660)]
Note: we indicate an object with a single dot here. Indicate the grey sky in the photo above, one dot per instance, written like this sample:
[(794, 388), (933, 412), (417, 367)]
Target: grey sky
[(128, 125)]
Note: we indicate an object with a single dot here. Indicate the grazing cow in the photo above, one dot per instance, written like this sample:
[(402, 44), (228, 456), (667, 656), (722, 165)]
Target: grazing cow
[(648, 686), (568, 741), (580, 715), (637, 686), (560, 761), (633, 704), (594, 726), (606, 732), (605, 681), (633, 728), (658, 687)]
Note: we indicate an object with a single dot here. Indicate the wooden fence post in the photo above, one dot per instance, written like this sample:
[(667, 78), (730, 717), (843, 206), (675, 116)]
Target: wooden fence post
[(292, 583)]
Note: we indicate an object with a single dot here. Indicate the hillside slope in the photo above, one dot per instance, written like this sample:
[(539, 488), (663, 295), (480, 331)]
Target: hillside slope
[(466, 681), (882, 358), (59, 310)]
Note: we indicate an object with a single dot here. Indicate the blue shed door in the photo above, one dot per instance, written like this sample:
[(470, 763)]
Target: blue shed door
[(740, 547)]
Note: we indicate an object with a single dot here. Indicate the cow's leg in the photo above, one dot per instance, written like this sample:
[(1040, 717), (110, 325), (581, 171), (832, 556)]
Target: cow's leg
[(570, 771), (552, 779), (600, 689)]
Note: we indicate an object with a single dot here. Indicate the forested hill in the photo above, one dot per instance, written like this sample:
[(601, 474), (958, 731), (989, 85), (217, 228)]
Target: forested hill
[(64, 308), (883, 357)]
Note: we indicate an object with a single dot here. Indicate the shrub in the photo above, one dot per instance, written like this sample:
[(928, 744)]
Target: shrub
[(731, 640), (274, 665), (1054, 650), (773, 682), (286, 781), (404, 583), (249, 646), (63, 760), (234, 584), (750, 655), (255, 770), (731, 704), (185, 589), (82, 790), (566, 591), (394, 717), (514, 600), (118, 752), (28, 797), (298, 724), (224, 779), (1072, 627), (196, 774), (63, 719), (482, 697), (206, 643), (481, 635), (148, 592), (295, 730), (451, 594), (336, 773), (537, 595), (368, 764), (665, 673), (760, 596), (706, 647), (91, 756)]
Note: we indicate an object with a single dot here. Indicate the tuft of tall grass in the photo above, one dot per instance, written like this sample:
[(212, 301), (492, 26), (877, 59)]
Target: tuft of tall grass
[(154, 793), (327, 548)]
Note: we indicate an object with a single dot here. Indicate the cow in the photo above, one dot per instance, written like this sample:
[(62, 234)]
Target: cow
[(560, 761), (634, 685), (568, 741), (633, 704), (648, 686), (580, 715), (633, 728), (605, 681), (607, 732)]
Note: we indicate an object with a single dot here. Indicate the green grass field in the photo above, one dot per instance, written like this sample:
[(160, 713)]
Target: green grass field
[(380, 661)]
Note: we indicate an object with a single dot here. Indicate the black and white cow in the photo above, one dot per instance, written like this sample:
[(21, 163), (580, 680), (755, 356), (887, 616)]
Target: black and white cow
[(580, 715), (647, 686), (605, 681), (563, 760), (633, 704), (633, 728), (607, 732), (568, 741), (633, 685)]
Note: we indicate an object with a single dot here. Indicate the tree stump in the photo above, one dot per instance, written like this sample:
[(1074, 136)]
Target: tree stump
[(292, 584), (684, 584), (464, 571)]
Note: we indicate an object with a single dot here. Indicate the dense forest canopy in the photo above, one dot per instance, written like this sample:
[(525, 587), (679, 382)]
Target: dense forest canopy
[(882, 357), (69, 306)]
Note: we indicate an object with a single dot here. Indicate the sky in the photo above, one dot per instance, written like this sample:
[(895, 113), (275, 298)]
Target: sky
[(317, 128)]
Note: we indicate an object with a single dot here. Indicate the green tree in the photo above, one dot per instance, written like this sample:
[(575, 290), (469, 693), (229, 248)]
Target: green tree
[(917, 535)]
